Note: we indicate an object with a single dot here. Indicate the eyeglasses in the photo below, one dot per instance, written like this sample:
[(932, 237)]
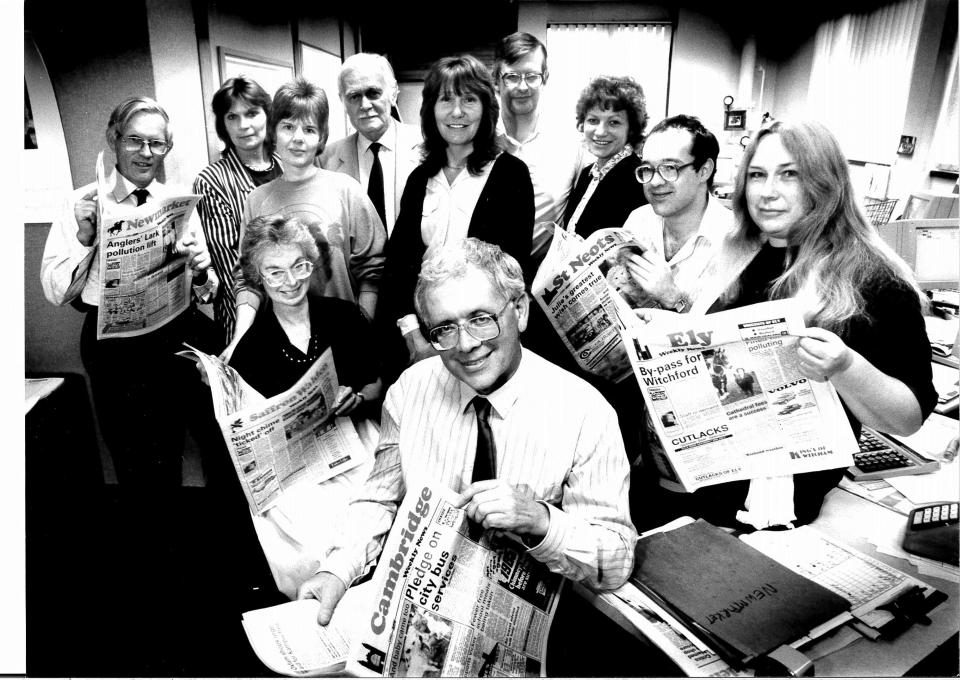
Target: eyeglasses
[(277, 277), (668, 171), (157, 147), (531, 79), (481, 327)]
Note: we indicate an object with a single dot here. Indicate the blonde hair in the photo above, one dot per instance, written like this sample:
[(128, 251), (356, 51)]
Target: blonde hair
[(839, 253)]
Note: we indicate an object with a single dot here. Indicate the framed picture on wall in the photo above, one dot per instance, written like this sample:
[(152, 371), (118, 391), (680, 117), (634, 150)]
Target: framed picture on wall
[(269, 73), (907, 145), (735, 119)]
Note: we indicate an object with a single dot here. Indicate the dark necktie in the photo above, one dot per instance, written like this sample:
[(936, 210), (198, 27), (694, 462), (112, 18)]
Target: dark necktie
[(141, 195), (485, 463), (375, 186)]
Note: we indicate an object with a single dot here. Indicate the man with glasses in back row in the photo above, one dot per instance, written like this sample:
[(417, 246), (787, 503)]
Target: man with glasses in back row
[(138, 383), (531, 448), (554, 157)]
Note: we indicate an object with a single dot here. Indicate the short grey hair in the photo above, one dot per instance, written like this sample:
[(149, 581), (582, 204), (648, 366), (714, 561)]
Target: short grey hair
[(268, 231), (452, 261), (367, 62), (127, 110)]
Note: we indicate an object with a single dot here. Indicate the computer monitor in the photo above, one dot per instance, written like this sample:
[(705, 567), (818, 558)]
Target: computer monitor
[(931, 205), (930, 247)]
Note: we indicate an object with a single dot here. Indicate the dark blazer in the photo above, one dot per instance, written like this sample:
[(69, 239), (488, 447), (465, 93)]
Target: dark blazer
[(503, 216), (618, 194)]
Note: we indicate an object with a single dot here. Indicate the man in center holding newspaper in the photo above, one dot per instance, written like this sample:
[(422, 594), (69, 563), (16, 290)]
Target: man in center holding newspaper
[(532, 449)]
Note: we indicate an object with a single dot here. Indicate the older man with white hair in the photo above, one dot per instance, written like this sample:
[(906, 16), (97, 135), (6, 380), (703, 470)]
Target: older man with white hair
[(532, 449), (382, 152)]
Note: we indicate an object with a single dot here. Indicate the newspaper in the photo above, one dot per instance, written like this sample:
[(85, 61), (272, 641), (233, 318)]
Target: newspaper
[(292, 437), (727, 400), (577, 286), (145, 283), (289, 641), (447, 605)]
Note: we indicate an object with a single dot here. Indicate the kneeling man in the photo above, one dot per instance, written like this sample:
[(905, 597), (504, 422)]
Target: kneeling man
[(531, 448)]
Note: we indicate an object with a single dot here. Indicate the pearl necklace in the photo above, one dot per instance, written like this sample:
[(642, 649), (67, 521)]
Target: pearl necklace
[(258, 169), (309, 357)]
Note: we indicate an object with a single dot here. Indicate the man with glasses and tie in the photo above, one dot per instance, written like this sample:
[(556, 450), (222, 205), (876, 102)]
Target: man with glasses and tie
[(531, 448), (382, 152), (138, 383), (683, 225), (554, 156)]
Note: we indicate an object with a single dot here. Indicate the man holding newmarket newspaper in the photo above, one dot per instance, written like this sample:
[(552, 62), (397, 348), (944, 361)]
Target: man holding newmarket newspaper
[(485, 417)]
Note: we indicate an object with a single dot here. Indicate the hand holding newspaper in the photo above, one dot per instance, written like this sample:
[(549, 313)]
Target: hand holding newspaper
[(281, 441), (145, 281), (447, 605), (727, 400), (577, 286)]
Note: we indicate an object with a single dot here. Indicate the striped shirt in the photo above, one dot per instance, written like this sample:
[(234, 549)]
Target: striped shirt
[(224, 186), (555, 436)]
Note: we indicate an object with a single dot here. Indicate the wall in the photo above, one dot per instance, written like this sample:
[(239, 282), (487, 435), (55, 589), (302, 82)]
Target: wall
[(937, 33)]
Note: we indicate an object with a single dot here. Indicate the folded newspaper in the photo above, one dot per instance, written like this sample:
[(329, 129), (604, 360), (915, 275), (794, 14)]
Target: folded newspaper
[(289, 641), (726, 398), (145, 282), (577, 285), (439, 604), (290, 438), (448, 605)]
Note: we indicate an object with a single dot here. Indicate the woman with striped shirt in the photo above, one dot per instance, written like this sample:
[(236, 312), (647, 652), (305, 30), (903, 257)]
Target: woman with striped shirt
[(241, 109)]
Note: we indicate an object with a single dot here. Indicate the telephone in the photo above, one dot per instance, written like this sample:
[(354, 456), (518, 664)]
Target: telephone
[(933, 531)]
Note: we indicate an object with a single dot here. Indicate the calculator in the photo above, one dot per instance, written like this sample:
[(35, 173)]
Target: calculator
[(882, 455), (933, 531)]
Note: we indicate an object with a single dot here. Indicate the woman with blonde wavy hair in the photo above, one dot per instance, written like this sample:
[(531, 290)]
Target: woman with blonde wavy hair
[(796, 209)]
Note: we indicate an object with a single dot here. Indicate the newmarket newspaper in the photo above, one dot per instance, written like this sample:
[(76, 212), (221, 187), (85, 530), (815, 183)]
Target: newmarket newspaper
[(145, 282)]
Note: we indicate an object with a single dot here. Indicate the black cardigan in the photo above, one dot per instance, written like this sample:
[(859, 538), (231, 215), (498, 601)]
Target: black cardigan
[(618, 194), (503, 216)]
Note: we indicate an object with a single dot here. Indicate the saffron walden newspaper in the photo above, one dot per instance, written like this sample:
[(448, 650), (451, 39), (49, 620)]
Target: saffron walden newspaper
[(576, 286), (286, 439), (727, 400), (447, 604), (144, 283)]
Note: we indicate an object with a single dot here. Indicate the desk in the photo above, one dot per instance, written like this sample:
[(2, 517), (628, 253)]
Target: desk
[(846, 517)]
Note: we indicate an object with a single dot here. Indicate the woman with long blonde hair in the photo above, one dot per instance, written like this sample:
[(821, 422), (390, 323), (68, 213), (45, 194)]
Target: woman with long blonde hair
[(796, 208)]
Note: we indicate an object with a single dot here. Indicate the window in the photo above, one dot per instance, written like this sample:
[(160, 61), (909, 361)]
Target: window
[(581, 52), (944, 154), (864, 63)]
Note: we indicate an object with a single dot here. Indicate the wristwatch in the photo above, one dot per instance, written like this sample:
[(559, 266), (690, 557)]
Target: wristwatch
[(680, 305)]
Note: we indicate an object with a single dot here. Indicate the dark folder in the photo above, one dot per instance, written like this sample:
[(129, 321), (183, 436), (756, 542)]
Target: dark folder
[(740, 601)]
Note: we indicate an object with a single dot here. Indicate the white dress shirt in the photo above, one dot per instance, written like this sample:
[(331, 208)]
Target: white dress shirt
[(70, 268), (555, 436), (388, 161), (448, 207)]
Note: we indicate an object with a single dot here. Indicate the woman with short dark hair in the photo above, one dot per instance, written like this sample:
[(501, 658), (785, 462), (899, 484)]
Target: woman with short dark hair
[(465, 187), (241, 109), (612, 115), (332, 205)]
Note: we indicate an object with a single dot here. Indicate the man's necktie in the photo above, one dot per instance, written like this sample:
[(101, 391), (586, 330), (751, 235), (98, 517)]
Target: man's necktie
[(485, 463), (141, 195), (375, 186)]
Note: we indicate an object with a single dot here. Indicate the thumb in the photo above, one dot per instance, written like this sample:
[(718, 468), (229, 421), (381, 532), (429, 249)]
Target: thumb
[(90, 195), (325, 612)]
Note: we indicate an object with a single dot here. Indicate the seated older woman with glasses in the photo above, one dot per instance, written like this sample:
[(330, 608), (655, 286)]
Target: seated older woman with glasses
[(280, 256)]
